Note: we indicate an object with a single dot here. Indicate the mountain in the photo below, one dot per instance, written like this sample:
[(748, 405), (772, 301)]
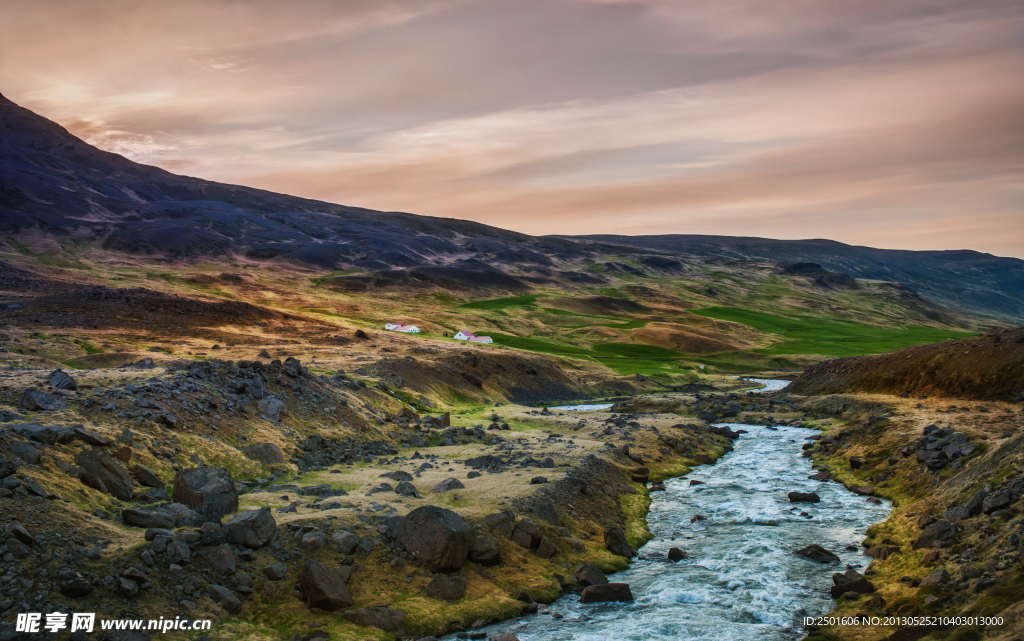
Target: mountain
[(54, 181)]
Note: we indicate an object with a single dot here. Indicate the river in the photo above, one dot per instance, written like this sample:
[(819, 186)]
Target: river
[(741, 580)]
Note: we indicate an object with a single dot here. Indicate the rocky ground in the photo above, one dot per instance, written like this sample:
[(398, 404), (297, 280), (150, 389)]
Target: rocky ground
[(268, 498)]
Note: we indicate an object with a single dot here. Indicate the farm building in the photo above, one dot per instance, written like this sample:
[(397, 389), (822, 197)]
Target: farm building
[(473, 338), (405, 329)]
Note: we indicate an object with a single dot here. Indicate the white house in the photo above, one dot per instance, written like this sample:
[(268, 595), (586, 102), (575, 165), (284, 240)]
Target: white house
[(405, 329), (473, 338)]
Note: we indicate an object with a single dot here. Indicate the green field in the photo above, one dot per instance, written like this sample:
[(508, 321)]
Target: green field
[(502, 303), (810, 335)]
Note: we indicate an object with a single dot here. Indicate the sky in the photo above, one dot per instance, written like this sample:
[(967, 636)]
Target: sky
[(895, 124)]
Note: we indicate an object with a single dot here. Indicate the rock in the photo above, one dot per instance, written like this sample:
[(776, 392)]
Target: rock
[(59, 379), (502, 522), (707, 417), (526, 534), (276, 571), (538, 480), (18, 531), (817, 553), (76, 587), (25, 452), (252, 528), (704, 459), (226, 598), (347, 541), (607, 592), (447, 587), (850, 581), (588, 574), (863, 490), (219, 558), (974, 506), (675, 555), (931, 556), (104, 473), (272, 408), (126, 587), (485, 551), (856, 462), (803, 497), (146, 476), (207, 489), (997, 501), (546, 512), (35, 400), (501, 637), (521, 594), (160, 519), (640, 475), (615, 542), (313, 540), (92, 438), (820, 476), (938, 534), (324, 587), (448, 484), (7, 468), (406, 488), (935, 577), (378, 616), (546, 549), (267, 453), (438, 538)]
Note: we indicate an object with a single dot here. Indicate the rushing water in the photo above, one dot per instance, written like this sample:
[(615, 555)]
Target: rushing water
[(770, 384), (592, 407), (741, 580)]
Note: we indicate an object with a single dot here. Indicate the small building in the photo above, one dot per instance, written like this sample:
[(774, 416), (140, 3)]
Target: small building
[(405, 329), (473, 338)]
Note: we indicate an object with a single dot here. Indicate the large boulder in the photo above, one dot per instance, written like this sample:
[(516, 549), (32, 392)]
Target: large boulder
[(485, 551), (264, 453), (35, 400), (324, 587), (803, 497), (448, 484), (850, 581), (438, 538), (378, 616), (588, 574), (447, 587), (817, 553), (347, 541), (60, 379), (146, 476), (252, 528), (148, 518), (615, 542), (937, 535), (206, 489), (219, 558), (104, 473), (226, 598), (25, 452), (997, 501), (526, 533), (272, 408), (607, 592)]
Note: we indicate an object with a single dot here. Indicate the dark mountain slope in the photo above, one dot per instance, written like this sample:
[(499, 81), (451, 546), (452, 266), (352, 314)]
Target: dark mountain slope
[(52, 180), (962, 279)]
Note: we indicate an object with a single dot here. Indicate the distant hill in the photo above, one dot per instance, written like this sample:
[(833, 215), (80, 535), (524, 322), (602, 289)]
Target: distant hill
[(52, 180), (986, 367)]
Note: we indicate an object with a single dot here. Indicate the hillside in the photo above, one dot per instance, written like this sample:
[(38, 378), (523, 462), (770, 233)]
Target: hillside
[(54, 184), (987, 367)]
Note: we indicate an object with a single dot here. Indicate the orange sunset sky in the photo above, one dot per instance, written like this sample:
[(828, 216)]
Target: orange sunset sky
[(895, 124)]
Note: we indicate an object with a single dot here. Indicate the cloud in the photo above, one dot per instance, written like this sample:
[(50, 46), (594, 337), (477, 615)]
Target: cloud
[(881, 123)]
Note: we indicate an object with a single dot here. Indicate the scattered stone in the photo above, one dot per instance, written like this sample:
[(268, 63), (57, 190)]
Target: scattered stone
[(588, 574), (447, 485), (675, 555), (607, 592), (104, 473), (615, 542), (266, 453), (36, 400), (378, 616), (206, 488), (818, 554), (803, 497), (438, 538), (324, 587), (447, 587), (252, 528)]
